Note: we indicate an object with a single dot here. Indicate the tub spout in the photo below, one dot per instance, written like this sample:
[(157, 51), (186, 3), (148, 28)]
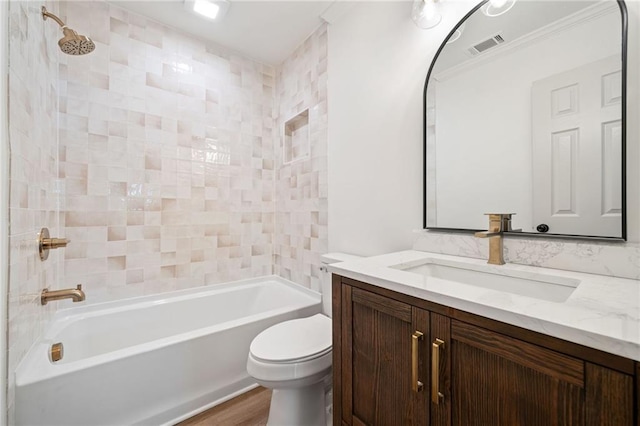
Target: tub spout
[(75, 294)]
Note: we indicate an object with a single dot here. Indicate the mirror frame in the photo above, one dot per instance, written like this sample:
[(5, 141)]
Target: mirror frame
[(623, 119)]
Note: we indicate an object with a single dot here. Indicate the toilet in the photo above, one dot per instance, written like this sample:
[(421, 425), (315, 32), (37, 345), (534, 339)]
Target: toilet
[(293, 358)]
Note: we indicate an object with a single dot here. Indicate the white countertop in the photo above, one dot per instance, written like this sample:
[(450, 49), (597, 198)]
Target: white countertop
[(602, 313)]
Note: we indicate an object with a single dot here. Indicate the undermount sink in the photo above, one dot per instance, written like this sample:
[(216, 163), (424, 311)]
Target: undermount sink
[(542, 286)]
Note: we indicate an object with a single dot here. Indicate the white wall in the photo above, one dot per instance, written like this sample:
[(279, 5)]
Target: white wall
[(378, 60)]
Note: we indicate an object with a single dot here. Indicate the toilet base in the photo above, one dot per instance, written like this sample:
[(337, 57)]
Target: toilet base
[(298, 406)]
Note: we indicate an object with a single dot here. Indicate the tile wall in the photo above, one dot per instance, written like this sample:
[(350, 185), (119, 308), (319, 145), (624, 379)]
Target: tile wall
[(33, 186), (301, 185), (166, 157)]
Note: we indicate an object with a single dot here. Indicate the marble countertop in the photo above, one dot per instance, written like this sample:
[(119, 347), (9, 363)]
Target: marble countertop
[(602, 312)]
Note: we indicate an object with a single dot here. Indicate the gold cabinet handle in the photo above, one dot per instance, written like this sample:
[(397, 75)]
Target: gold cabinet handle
[(436, 395), (416, 385)]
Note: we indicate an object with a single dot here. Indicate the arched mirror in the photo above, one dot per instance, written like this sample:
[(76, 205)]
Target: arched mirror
[(525, 114)]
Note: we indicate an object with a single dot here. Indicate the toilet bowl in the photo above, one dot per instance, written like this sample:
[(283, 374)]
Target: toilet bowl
[(293, 358)]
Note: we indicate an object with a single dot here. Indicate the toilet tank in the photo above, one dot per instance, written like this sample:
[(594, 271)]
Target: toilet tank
[(325, 289)]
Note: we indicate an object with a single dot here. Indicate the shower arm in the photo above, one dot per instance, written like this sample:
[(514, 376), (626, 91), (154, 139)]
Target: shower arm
[(46, 14)]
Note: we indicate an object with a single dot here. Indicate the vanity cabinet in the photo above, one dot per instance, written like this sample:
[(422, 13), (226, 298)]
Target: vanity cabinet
[(499, 380), (400, 360), (380, 336)]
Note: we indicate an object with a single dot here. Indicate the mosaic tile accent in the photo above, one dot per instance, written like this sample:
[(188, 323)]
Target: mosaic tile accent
[(166, 156), (301, 185), (33, 130)]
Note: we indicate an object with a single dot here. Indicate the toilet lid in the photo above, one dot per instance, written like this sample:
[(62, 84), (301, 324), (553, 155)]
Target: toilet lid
[(294, 340)]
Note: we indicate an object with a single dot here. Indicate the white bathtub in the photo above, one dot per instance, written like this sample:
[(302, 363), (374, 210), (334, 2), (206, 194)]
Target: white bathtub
[(152, 360)]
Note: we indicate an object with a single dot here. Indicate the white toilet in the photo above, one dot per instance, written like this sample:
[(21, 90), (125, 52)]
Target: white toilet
[(294, 359)]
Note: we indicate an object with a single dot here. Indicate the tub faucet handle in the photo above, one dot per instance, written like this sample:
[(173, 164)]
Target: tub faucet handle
[(55, 243), (46, 243)]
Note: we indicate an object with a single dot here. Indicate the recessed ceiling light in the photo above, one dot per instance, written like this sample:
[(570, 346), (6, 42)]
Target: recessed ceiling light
[(209, 9), (497, 7), (457, 34), (206, 9)]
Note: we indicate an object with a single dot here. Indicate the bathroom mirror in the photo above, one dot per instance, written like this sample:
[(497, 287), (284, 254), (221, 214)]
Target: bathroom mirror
[(525, 114)]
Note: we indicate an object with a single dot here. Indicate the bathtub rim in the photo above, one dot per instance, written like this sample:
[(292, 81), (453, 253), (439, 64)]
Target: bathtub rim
[(158, 297), (30, 370)]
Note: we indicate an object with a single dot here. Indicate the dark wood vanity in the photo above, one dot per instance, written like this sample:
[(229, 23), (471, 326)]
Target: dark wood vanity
[(401, 360)]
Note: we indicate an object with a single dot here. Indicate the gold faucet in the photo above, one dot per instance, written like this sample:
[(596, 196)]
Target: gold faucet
[(498, 224), (75, 294)]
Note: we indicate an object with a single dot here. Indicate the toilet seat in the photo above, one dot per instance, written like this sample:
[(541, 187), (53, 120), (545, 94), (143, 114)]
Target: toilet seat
[(293, 341), (292, 353)]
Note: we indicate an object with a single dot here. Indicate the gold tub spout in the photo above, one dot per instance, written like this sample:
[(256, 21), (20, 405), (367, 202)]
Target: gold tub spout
[(75, 294)]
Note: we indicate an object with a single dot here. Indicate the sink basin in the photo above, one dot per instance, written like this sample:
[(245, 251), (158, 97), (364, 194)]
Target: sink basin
[(542, 286)]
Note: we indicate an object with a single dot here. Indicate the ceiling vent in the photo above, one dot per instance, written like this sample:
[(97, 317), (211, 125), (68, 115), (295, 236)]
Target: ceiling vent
[(485, 45)]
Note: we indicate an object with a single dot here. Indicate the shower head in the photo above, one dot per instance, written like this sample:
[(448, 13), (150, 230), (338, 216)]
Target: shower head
[(75, 44), (72, 43)]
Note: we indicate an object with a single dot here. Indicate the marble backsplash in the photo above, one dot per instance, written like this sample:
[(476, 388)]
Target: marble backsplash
[(595, 257)]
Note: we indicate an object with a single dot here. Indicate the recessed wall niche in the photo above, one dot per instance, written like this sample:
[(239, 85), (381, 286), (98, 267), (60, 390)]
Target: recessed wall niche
[(296, 137)]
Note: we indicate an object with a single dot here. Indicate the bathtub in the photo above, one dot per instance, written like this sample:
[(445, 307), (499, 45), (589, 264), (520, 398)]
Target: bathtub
[(152, 360)]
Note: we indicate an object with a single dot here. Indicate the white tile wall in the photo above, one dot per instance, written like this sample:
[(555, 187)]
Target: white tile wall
[(166, 155), (301, 185), (33, 139)]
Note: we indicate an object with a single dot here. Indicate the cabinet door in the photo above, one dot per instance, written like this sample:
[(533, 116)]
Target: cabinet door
[(381, 338), (498, 380), (609, 399)]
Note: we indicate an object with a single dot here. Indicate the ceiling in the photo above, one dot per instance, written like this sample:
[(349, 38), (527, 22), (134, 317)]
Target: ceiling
[(525, 17), (267, 31)]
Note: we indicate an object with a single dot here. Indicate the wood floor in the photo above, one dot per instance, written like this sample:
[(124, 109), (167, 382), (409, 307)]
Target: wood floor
[(248, 409)]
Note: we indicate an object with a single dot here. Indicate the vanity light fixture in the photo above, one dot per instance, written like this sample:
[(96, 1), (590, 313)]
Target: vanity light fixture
[(426, 13), (497, 7), (209, 9)]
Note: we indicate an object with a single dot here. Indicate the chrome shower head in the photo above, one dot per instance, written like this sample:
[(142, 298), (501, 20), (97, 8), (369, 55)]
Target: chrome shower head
[(72, 43)]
